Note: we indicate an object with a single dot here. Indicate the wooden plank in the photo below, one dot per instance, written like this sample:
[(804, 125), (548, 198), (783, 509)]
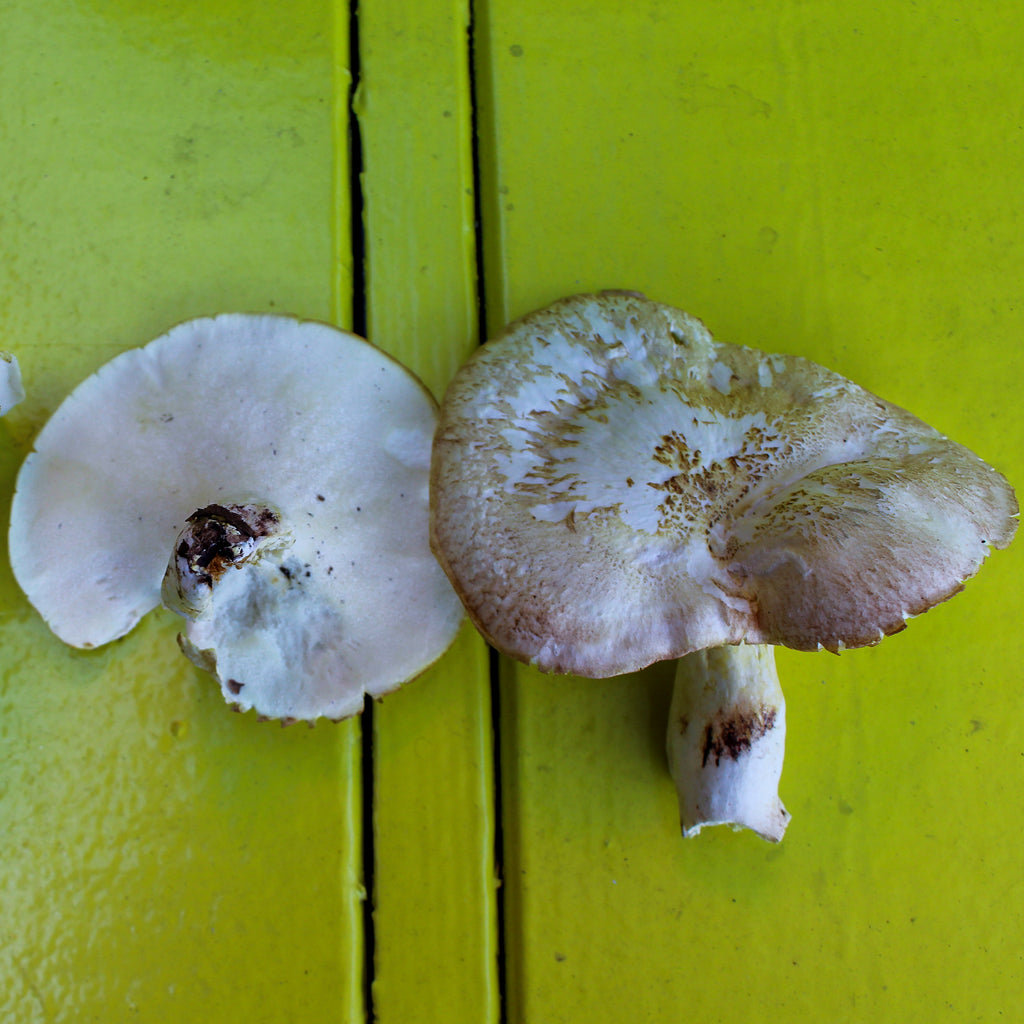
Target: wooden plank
[(838, 182), (434, 879), (164, 859)]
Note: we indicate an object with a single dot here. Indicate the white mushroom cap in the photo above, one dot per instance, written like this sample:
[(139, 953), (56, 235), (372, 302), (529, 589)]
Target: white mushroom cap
[(299, 417), (612, 487)]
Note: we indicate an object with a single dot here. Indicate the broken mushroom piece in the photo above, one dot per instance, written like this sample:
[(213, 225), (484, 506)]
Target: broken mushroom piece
[(268, 477), (11, 389), (611, 487)]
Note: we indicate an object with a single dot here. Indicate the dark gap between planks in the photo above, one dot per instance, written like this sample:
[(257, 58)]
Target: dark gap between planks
[(475, 45), (357, 244), (359, 322)]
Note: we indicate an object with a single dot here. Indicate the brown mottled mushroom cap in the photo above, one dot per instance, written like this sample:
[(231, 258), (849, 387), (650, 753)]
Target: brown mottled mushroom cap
[(611, 487)]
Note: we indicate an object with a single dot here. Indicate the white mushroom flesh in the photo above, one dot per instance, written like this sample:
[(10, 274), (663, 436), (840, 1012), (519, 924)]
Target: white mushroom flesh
[(245, 412)]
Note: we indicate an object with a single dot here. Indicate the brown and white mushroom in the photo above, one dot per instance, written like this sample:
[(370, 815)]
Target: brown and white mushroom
[(612, 487), (268, 478)]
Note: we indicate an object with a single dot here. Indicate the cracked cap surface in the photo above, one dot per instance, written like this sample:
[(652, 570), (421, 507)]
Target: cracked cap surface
[(612, 487)]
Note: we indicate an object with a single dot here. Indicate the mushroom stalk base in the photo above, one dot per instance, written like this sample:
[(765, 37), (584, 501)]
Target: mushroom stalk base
[(726, 740), (256, 615)]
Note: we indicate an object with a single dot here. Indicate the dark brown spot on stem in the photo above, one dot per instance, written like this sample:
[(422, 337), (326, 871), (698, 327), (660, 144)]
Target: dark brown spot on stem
[(734, 733)]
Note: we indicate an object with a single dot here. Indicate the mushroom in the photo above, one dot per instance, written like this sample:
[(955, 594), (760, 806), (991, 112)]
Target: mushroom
[(267, 478), (11, 389), (611, 487)]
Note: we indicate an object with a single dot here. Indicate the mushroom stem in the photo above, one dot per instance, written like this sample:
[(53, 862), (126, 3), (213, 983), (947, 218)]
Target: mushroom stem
[(217, 538), (726, 740), (255, 617)]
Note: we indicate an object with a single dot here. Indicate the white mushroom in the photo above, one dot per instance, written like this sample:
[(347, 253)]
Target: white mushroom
[(270, 476), (612, 487), (11, 389)]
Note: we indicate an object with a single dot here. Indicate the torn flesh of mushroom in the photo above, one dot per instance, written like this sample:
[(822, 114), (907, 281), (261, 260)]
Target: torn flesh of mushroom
[(267, 631), (216, 538), (726, 740), (253, 610)]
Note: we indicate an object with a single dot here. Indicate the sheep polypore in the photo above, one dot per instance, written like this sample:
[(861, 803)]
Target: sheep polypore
[(611, 487), (268, 478)]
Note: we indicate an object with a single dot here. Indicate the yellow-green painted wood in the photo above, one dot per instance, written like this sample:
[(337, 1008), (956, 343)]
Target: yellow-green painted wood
[(839, 181), (818, 178), (163, 859), (435, 934)]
